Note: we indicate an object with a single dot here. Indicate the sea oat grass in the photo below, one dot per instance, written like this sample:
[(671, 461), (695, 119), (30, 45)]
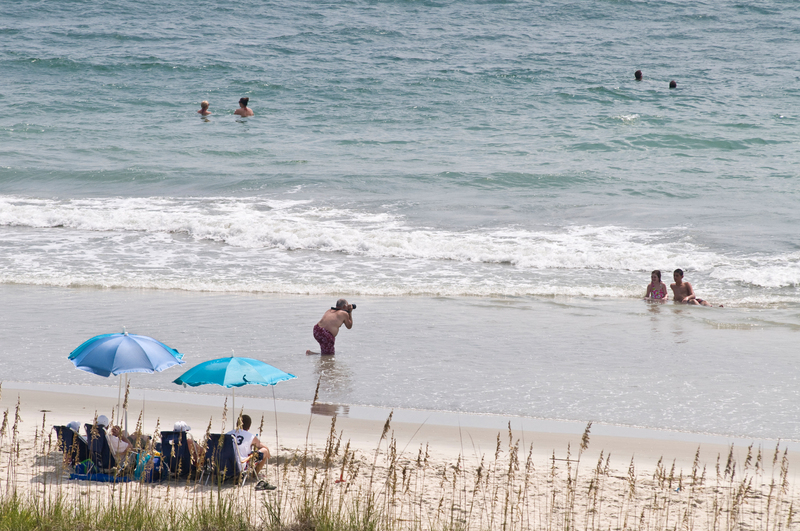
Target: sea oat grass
[(335, 487)]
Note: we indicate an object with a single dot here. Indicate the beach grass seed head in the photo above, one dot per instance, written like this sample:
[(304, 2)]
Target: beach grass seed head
[(585, 437)]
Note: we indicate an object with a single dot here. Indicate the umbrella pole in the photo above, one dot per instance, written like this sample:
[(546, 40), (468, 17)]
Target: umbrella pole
[(233, 404), (126, 408), (275, 410), (119, 397)]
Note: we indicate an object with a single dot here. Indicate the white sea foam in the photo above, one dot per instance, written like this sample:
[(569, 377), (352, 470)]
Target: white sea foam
[(627, 118), (280, 246), (297, 225), (766, 271)]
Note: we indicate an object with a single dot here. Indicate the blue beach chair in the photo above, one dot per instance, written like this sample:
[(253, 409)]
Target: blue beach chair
[(72, 445), (99, 450), (176, 454), (222, 458)]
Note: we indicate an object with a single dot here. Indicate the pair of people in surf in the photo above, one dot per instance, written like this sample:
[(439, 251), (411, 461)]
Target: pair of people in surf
[(681, 291), (243, 109)]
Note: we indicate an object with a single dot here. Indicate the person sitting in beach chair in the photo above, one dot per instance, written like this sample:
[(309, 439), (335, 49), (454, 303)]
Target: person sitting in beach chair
[(99, 450), (181, 453), (108, 448), (119, 442), (250, 449)]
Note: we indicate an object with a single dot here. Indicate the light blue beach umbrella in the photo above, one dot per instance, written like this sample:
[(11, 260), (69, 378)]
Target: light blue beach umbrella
[(233, 372), (117, 354)]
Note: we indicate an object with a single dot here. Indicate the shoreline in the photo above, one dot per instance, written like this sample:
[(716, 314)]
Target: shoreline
[(677, 369)]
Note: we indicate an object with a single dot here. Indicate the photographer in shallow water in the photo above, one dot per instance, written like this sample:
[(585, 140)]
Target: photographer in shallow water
[(327, 328)]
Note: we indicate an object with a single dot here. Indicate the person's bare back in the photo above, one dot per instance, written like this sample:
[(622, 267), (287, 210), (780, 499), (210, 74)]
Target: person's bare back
[(332, 321), (326, 330), (243, 109)]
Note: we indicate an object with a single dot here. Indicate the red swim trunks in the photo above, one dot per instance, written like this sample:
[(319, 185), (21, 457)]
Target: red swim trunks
[(325, 340)]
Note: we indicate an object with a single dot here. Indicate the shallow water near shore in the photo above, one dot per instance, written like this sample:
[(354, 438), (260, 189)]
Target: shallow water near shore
[(630, 363)]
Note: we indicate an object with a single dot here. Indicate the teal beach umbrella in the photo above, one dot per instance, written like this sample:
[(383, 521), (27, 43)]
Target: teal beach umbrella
[(233, 372)]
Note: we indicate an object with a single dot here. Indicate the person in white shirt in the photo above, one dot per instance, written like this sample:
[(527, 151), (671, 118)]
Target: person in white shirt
[(117, 439), (247, 443)]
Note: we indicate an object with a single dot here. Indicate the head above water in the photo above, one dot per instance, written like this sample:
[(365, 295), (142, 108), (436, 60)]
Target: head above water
[(673, 84), (656, 273), (678, 273), (204, 105), (243, 102), (638, 75)]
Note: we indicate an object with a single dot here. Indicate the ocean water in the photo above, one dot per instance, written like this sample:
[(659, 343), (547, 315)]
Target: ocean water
[(486, 180)]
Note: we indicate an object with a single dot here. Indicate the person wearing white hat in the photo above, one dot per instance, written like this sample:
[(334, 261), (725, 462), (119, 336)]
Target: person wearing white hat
[(75, 426), (193, 450), (118, 440)]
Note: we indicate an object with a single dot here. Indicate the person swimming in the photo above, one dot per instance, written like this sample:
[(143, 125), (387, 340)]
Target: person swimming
[(656, 290), (243, 110), (204, 109)]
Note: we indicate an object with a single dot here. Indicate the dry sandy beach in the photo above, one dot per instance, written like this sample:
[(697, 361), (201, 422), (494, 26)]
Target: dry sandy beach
[(430, 476)]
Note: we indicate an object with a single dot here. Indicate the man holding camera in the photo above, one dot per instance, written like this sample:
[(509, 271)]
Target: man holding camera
[(327, 328)]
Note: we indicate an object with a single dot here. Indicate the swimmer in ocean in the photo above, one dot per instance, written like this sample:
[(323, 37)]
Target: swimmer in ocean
[(243, 109), (683, 292), (204, 109), (656, 290)]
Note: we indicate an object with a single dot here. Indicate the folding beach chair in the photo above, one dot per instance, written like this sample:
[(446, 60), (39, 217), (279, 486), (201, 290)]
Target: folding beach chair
[(72, 445), (99, 449), (176, 454), (222, 459), (248, 467)]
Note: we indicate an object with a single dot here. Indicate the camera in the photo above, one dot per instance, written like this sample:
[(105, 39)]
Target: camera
[(337, 309)]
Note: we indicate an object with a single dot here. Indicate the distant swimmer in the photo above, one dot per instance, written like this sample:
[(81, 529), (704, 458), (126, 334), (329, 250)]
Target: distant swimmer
[(683, 292), (673, 84), (327, 328), (656, 290), (638, 75), (243, 110), (204, 109)]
